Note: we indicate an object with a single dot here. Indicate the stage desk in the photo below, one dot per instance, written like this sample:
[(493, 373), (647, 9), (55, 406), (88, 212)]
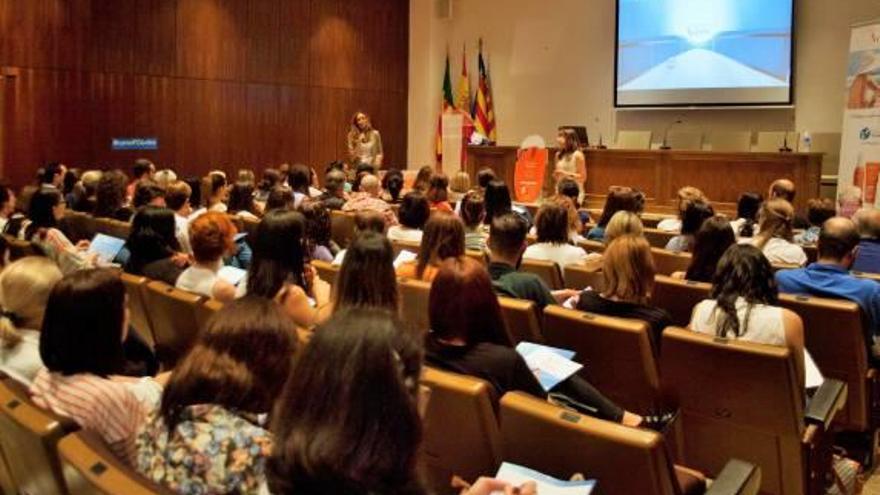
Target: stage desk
[(722, 176)]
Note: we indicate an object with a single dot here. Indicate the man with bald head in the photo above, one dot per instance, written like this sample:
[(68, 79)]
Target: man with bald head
[(829, 275), (368, 198), (784, 188), (868, 254)]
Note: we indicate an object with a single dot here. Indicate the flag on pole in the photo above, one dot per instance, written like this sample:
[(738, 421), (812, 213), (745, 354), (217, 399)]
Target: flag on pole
[(463, 98), (446, 102), (484, 109)]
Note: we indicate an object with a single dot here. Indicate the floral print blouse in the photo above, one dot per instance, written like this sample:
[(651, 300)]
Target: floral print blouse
[(211, 451)]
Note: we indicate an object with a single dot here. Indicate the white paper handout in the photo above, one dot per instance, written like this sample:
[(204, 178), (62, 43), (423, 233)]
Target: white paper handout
[(516, 475), (404, 257), (231, 274), (549, 365), (813, 376)]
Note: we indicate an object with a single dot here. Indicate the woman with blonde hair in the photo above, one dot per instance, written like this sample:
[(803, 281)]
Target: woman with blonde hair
[(686, 196), (776, 236), (628, 271), (459, 185), (364, 142), (24, 289)]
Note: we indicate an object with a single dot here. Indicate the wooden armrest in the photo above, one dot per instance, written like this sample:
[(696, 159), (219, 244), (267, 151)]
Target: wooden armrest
[(736, 478), (828, 400)]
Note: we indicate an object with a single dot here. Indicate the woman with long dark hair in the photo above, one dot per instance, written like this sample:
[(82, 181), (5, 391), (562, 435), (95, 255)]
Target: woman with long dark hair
[(618, 199), (392, 184), (364, 142), (744, 305), (692, 219), (319, 244), (367, 277), (438, 193), (710, 244), (443, 238), (747, 209), (279, 270), (47, 208), (209, 434), (153, 247), (242, 201)]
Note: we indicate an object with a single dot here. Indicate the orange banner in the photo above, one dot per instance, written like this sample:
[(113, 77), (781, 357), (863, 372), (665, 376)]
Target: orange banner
[(528, 178)]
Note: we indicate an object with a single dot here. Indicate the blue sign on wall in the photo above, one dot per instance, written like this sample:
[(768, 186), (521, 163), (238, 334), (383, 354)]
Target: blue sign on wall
[(147, 143)]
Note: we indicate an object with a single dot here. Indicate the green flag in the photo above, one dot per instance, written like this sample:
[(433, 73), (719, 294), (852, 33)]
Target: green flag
[(448, 99)]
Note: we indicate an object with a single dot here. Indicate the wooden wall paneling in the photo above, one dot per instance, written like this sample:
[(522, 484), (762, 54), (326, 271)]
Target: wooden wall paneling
[(211, 36), (133, 36), (722, 177), (330, 110), (630, 170), (210, 125), (44, 33), (293, 126), (334, 51), (277, 41)]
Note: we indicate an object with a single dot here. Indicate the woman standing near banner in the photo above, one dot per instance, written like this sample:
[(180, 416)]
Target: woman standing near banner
[(364, 142), (570, 161)]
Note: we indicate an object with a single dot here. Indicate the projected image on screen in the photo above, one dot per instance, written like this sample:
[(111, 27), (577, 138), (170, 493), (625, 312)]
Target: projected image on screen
[(701, 52)]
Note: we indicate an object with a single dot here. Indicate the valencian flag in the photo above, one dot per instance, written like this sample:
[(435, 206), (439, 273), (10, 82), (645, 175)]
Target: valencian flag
[(463, 97), (484, 109), (447, 102)]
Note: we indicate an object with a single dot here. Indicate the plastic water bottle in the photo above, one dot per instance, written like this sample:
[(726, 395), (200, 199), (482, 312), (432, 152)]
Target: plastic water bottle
[(806, 142)]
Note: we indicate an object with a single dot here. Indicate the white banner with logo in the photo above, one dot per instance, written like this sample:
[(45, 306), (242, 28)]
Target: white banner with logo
[(860, 141)]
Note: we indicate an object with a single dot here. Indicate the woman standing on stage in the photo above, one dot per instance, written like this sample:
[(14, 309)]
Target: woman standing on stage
[(364, 142), (570, 161)]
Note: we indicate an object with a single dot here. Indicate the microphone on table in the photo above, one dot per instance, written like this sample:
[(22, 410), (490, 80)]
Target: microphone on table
[(665, 145), (785, 148)]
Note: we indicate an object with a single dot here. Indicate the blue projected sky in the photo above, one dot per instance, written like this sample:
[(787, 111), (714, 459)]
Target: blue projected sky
[(700, 19)]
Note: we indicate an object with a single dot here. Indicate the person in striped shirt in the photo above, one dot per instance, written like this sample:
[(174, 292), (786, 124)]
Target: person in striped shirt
[(85, 323)]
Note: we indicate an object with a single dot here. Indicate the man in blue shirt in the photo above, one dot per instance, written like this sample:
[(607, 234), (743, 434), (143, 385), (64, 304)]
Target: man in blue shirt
[(829, 275), (868, 254)]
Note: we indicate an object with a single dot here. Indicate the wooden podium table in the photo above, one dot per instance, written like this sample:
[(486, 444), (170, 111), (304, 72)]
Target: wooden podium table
[(722, 176)]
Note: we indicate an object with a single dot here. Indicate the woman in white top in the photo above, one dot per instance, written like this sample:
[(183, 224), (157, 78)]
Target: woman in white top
[(776, 238), (744, 305), (472, 213), (47, 208), (570, 161), (215, 192), (686, 196), (364, 142), (412, 215), (212, 236), (24, 289), (7, 206), (553, 239)]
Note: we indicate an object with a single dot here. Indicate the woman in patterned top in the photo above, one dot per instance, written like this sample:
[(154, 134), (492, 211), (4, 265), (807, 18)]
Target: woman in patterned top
[(209, 435)]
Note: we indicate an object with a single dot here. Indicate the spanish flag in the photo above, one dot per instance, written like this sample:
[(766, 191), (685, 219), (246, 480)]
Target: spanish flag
[(484, 109)]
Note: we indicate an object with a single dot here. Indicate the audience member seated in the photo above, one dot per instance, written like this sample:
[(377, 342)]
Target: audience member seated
[(744, 305), (422, 182), (785, 189), (628, 272), (209, 435), (88, 198), (368, 199), (81, 347), (52, 176), (484, 176), (279, 270), (212, 236), (568, 187), (472, 212), (818, 211), (47, 209), (747, 209), (829, 275), (695, 213), (143, 169), (330, 437), (241, 201), (364, 221), (413, 214), (152, 247), (868, 252), (554, 242), (319, 245), (281, 198), (497, 198), (776, 237), (686, 196), (7, 205), (146, 193), (623, 223), (110, 197), (215, 192), (468, 336), (271, 179), (618, 199), (165, 177), (392, 184), (507, 243), (70, 188), (367, 278), (334, 196), (24, 289), (459, 185), (438, 193), (299, 180), (177, 199), (443, 239), (710, 244)]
